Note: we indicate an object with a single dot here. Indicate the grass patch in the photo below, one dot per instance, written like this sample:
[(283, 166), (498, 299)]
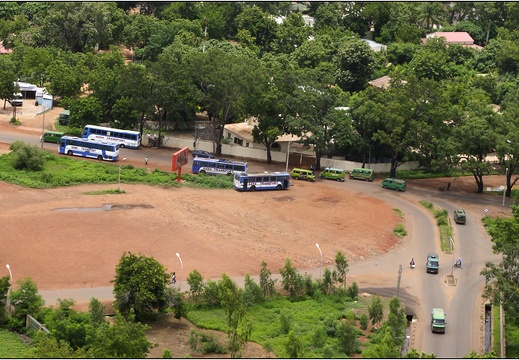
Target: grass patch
[(400, 231), (399, 212), (444, 224), (12, 347), (308, 318), (60, 170), (496, 331)]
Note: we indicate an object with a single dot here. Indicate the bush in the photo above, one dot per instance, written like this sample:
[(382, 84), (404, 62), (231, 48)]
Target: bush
[(204, 343), (353, 291), (26, 157), (364, 321)]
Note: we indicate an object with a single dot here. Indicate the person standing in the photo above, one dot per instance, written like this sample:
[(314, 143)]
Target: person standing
[(146, 160)]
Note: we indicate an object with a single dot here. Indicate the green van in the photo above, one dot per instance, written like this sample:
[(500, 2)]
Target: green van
[(362, 174), (459, 216), (393, 184), (438, 321), (52, 136), (303, 174), (433, 263), (333, 174)]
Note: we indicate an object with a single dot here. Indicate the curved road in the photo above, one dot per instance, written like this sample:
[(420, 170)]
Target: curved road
[(417, 289)]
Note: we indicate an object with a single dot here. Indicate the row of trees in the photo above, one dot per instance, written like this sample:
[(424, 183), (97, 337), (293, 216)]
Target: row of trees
[(140, 288), (291, 77)]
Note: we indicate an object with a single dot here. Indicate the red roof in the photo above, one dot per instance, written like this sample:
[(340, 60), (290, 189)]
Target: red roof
[(454, 37), (3, 50)]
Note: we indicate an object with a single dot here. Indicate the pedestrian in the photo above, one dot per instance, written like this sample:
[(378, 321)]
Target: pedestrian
[(146, 160), (173, 278), (448, 186)]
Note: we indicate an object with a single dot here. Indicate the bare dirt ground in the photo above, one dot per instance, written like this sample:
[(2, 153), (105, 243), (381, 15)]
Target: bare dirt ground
[(63, 238)]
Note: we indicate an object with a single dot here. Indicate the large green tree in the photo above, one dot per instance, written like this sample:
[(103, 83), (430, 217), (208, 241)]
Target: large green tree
[(7, 78), (139, 285), (25, 300), (354, 64)]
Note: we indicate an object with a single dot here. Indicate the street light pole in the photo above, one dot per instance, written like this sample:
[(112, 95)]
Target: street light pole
[(452, 251), (181, 271), (506, 183), (320, 267), (288, 155), (42, 125), (8, 303), (119, 181)]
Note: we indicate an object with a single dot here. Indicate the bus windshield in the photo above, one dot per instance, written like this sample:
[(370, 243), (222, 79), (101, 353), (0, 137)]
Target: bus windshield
[(125, 138)]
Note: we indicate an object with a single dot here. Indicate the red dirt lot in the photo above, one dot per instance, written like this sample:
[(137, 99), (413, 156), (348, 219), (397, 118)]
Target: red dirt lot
[(63, 238)]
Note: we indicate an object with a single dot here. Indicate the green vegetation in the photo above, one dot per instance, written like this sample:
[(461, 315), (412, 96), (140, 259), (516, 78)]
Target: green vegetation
[(59, 170), (400, 231), (399, 212), (12, 347), (444, 224)]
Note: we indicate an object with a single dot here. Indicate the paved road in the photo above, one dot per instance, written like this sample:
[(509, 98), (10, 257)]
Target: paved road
[(418, 290)]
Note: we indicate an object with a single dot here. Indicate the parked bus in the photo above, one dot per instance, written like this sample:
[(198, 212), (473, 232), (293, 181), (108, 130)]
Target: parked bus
[(125, 138), (217, 166), (261, 181), (87, 148)]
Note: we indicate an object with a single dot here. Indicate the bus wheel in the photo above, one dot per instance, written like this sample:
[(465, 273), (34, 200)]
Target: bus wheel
[(122, 146), (99, 157), (279, 187), (253, 188), (69, 153), (202, 171)]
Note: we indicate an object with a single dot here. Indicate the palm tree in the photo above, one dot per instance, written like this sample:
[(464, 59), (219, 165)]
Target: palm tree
[(430, 15)]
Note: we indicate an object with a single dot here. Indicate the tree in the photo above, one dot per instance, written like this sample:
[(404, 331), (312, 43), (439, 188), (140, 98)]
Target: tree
[(259, 24), (291, 34), (124, 339), (376, 310), (83, 26), (341, 269), (431, 14), (83, 111), (317, 121), (231, 300), (347, 336), (396, 319), (139, 285), (25, 156), (7, 78), (476, 137), (502, 283), (4, 288), (292, 281), (266, 281), (25, 301), (96, 311), (195, 281), (507, 146), (294, 346), (225, 79), (354, 64)]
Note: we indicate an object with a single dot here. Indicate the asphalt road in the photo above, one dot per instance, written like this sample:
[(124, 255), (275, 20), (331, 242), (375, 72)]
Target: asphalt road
[(417, 289)]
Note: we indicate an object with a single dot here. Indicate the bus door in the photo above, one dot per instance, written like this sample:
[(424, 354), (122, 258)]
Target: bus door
[(285, 183), (245, 182)]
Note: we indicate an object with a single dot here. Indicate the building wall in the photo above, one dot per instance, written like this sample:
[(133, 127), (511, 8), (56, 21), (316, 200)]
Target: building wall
[(297, 158)]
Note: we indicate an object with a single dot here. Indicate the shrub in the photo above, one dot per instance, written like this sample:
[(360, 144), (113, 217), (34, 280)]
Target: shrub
[(364, 321), (26, 157), (286, 321), (166, 354), (353, 290), (319, 337), (204, 343)]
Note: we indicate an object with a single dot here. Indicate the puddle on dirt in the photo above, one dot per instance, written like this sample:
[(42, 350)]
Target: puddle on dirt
[(332, 200), (109, 207)]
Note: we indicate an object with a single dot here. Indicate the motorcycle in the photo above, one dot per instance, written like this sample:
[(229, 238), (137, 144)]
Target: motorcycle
[(412, 264)]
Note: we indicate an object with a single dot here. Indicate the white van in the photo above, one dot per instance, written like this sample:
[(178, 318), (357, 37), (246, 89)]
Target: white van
[(17, 100)]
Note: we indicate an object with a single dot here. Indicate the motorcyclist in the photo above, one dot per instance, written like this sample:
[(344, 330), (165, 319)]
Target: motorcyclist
[(458, 262), (412, 262)]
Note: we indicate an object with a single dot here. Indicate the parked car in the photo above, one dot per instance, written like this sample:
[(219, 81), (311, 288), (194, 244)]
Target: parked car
[(202, 154)]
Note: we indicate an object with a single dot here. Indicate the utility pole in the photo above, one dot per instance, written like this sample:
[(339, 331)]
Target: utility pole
[(399, 278)]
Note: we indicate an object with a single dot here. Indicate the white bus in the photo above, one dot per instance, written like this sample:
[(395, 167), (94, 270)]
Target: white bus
[(261, 181), (87, 148), (125, 138), (217, 166)]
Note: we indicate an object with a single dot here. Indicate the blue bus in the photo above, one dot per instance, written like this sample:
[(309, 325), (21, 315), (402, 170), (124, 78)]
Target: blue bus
[(261, 181), (217, 166), (87, 148), (125, 138)]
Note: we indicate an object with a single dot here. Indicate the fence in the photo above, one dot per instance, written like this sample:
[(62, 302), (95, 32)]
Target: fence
[(296, 158), (33, 324)]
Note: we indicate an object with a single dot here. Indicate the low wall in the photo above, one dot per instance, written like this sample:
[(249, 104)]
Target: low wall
[(277, 156)]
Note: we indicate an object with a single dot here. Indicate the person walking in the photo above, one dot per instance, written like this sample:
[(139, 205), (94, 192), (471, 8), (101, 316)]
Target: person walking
[(173, 278), (146, 160)]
